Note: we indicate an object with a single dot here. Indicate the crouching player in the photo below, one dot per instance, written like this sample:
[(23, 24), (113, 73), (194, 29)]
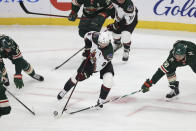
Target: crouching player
[(99, 53)]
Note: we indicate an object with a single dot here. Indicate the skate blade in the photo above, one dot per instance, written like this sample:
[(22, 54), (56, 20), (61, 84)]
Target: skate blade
[(172, 99)]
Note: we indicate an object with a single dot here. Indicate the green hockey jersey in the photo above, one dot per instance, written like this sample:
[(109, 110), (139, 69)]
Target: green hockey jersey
[(92, 8), (170, 65), (14, 55)]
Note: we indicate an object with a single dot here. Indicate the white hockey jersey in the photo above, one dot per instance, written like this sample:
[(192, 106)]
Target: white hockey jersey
[(125, 11), (99, 56)]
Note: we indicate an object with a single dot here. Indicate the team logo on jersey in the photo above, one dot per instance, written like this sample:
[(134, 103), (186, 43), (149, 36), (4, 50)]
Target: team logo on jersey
[(130, 8), (190, 53), (171, 59), (109, 56), (166, 64), (107, 2)]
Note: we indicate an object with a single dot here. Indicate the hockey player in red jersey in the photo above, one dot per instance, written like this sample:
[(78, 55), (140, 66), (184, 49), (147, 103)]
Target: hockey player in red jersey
[(99, 53)]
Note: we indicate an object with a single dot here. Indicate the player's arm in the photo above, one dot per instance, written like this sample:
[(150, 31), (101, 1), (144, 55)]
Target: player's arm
[(76, 4), (167, 66), (17, 59), (5, 78), (109, 9), (88, 43), (130, 14)]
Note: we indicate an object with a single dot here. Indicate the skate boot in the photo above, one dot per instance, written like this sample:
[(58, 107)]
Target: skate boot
[(38, 77), (174, 90), (68, 85), (126, 55), (117, 44), (61, 94), (100, 103)]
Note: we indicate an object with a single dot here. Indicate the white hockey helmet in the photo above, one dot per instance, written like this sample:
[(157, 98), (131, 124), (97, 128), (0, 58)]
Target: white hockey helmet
[(104, 39)]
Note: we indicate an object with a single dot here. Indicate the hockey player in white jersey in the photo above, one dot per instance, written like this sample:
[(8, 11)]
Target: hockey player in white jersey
[(126, 20), (99, 53)]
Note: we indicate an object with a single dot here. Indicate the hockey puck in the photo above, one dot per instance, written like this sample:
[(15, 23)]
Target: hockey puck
[(55, 113)]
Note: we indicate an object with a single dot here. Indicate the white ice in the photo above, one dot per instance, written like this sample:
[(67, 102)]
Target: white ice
[(46, 47)]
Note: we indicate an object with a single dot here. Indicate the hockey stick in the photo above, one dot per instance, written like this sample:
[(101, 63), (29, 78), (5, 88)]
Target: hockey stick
[(21, 103), (68, 59), (34, 13), (117, 98), (64, 109)]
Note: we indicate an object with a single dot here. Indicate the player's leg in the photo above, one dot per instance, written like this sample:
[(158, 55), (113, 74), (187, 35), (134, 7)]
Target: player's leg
[(107, 75), (90, 24), (126, 40), (4, 103), (83, 26), (82, 74), (4, 76), (27, 68), (173, 84), (126, 37), (117, 41)]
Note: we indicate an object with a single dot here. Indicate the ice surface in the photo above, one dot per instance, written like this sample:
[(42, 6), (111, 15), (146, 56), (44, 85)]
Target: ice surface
[(46, 47)]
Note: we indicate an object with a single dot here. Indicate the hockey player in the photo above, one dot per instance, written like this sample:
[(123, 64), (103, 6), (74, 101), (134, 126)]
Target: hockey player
[(94, 14), (126, 19), (4, 103), (182, 54), (9, 49), (99, 52)]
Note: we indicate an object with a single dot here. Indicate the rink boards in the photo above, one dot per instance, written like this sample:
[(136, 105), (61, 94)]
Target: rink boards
[(153, 14)]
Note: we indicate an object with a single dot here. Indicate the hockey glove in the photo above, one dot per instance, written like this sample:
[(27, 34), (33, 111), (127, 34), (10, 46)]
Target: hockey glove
[(72, 16), (18, 81), (82, 76), (114, 26), (147, 84), (5, 80), (86, 53)]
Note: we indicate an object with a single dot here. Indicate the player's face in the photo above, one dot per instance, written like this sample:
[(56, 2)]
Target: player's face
[(102, 45), (121, 1), (179, 57)]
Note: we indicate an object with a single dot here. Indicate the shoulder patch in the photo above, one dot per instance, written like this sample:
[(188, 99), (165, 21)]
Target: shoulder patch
[(107, 2), (110, 56), (130, 8)]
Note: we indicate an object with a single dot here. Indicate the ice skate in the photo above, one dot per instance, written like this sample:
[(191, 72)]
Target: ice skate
[(126, 55), (61, 94), (100, 103), (38, 77), (172, 95)]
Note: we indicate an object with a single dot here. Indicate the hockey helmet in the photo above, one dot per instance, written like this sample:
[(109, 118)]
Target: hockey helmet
[(6, 42), (180, 49), (104, 39)]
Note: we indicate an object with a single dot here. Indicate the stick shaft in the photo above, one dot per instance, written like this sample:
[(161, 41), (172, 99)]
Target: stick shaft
[(21, 103)]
